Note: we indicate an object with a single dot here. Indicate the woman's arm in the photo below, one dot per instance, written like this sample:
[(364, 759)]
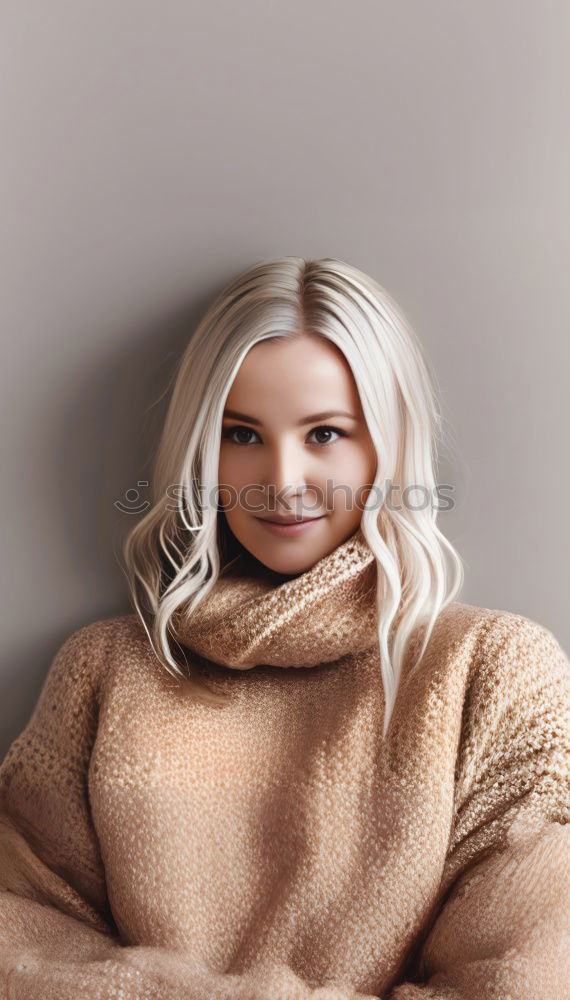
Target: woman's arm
[(57, 934), (503, 927)]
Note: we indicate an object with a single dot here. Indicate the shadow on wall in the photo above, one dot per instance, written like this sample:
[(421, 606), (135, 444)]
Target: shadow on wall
[(100, 438)]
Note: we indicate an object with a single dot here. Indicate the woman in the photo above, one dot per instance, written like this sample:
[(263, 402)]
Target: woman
[(188, 813)]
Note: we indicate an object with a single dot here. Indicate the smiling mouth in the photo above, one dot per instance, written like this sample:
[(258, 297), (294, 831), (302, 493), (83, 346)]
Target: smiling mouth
[(301, 520)]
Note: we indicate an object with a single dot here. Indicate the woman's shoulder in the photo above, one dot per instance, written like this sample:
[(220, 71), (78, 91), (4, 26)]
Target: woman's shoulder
[(492, 624), (91, 650), (105, 634), (503, 645)]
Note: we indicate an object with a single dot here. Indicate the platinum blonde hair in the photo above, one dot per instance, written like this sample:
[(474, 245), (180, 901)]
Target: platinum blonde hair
[(173, 555)]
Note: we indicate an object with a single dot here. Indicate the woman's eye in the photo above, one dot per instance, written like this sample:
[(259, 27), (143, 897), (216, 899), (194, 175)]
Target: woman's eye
[(327, 430), (237, 430)]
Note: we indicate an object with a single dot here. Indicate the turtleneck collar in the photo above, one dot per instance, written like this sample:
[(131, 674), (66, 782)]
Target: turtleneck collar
[(249, 620)]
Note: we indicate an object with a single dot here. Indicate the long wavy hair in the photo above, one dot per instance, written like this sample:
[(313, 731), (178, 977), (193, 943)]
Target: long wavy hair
[(175, 553)]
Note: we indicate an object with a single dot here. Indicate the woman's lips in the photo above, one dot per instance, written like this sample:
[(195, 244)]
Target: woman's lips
[(289, 530)]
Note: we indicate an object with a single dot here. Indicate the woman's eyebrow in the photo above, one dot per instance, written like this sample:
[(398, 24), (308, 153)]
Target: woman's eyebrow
[(236, 415)]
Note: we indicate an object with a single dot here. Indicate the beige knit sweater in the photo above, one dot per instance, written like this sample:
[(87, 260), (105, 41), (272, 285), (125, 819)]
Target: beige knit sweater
[(278, 848)]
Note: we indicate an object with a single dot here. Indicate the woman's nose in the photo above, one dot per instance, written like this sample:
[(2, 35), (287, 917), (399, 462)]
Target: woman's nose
[(285, 470)]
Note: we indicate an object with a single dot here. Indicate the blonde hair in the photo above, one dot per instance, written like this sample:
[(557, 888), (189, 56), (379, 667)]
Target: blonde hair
[(169, 563)]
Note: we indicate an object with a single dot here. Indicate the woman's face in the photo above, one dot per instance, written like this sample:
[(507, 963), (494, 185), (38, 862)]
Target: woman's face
[(277, 459)]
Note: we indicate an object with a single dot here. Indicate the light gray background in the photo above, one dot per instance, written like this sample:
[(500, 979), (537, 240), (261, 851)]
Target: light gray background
[(153, 150)]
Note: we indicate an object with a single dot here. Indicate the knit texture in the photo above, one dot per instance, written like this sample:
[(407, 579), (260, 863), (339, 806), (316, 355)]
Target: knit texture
[(279, 848)]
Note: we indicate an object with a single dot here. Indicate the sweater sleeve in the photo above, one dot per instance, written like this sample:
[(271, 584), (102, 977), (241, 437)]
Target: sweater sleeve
[(58, 939), (501, 928)]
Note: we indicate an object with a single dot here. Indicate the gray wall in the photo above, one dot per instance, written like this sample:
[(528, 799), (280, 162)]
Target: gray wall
[(153, 150)]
